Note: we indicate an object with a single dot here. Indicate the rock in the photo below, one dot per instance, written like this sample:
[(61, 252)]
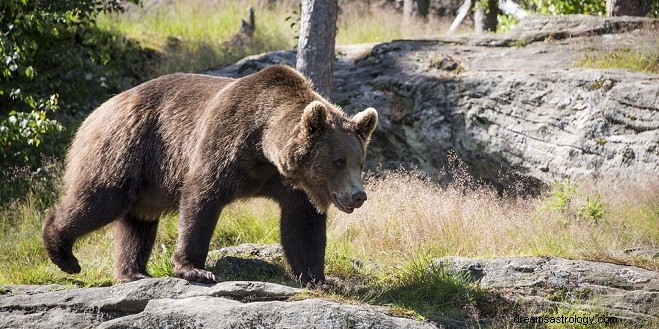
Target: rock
[(178, 303), (260, 251), (626, 292), (223, 313), (248, 261), (643, 252), (515, 108)]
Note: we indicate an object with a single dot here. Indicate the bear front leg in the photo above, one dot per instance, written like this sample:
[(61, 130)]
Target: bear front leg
[(303, 237), (198, 215)]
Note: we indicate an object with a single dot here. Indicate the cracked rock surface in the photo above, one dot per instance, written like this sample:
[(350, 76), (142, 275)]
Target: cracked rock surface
[(626, 292), (176, 303)]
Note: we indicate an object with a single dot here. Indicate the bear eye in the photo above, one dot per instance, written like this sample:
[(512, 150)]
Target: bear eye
[(340, 163)]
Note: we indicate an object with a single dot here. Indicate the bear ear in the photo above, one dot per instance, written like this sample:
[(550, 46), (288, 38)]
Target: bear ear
[(366, 121), (314, 117)]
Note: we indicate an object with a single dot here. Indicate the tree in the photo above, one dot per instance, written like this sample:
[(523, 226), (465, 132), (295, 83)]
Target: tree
[(627, 7), (315, 50), (485, 16), (422, 7)]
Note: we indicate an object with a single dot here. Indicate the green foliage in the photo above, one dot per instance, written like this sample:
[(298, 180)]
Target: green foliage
[(566, 7), (506, 22), (565, 199), (552, 7), (592, 209), (561, 195), (57, 67)]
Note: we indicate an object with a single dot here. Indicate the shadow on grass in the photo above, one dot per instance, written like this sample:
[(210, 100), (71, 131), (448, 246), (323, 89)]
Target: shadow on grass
[(230, 268), (425, 290)]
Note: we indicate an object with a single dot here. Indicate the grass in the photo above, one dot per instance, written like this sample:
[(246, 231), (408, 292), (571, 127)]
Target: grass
[(481, 224), (624, 58), (359, 23), (381, 254), (199, 35), (642, 57)]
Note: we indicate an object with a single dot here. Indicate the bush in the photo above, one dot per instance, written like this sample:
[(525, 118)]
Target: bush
[(552, 7), (566, 7), (57, 66)]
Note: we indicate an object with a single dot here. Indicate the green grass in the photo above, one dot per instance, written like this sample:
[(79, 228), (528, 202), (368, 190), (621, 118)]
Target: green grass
[(624, 58), (197, 35), (382, 253), (200, 35)]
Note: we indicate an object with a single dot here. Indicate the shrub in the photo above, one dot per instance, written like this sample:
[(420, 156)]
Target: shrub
[(57, 67)]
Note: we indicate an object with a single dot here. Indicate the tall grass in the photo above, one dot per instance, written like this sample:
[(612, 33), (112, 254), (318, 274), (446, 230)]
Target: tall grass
[(407, 216), (361, 23), (479, 223), (197, 35), (642, 57), (381, 254)]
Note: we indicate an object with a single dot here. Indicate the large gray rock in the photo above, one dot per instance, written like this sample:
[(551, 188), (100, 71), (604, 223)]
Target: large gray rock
[(169, 302), (512, 104), (540, 283), (224, 313)]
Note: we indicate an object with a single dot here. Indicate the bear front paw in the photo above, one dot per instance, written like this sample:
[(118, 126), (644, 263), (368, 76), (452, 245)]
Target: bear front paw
[(196, 275)]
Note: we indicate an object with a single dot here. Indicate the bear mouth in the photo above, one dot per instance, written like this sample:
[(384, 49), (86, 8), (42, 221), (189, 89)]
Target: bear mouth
[(338, 204)]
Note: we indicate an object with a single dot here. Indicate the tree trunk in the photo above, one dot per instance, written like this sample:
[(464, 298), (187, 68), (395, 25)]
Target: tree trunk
[(485, 19), (315, 50), (627, 7), (408, 7), (424, 8)]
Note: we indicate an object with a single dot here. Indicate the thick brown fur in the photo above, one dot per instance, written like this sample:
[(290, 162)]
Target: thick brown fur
[(196, 143)]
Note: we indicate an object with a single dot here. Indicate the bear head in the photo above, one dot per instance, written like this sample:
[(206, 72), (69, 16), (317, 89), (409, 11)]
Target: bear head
[(325, 158)]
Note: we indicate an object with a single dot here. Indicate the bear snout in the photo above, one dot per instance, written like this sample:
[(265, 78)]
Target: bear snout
[(349, 201), (358, 199)]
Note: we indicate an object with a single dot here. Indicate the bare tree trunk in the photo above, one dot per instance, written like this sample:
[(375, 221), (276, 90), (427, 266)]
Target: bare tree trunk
[(408, 7), (485, 19), (462, 13), (424, 8), (315, 49), (627, 7), (504, 6)]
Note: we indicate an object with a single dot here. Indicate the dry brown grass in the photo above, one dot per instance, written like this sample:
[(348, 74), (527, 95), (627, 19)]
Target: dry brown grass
[(360, 23), (407, 214)]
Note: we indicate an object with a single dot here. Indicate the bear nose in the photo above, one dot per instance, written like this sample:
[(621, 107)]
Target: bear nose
[(358, 198)]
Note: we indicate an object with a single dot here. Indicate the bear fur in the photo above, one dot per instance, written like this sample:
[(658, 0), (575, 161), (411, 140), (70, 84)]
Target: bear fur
[(196, 143)]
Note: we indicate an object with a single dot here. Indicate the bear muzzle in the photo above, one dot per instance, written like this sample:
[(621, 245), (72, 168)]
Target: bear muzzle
[(355, 200)]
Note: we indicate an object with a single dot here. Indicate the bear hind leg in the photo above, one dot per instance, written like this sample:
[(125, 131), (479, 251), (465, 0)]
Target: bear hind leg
[(134, 239), (59, 244), (74, 217)]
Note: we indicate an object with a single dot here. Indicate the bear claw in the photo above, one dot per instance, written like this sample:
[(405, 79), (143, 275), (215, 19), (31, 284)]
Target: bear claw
[(197, 275)]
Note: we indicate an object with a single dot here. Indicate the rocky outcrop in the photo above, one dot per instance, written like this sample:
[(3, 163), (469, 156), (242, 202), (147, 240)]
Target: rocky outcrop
[(175, 303), (512, 106), (541, 283), (520, 286)]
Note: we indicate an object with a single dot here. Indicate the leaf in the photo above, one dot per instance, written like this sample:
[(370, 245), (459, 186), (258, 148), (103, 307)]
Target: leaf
[(29, 72)]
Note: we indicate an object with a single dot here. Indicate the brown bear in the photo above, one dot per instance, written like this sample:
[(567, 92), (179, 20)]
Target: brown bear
[(196, 143)]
